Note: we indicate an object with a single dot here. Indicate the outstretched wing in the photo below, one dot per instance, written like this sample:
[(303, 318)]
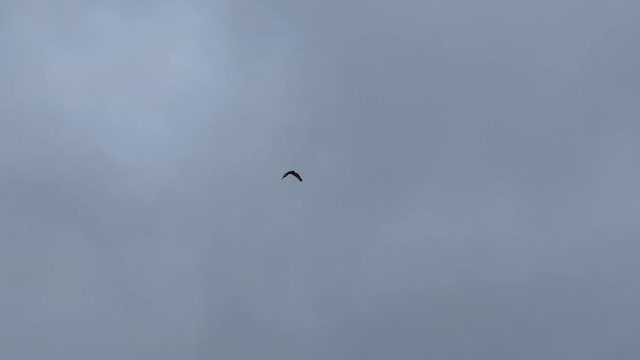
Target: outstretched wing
[(288, 173), (297, 175)]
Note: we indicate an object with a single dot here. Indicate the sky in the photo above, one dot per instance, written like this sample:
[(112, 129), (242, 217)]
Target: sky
[(470, 171)]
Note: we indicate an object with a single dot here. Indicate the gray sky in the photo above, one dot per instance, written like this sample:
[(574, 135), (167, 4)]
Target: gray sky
[(471, 180)]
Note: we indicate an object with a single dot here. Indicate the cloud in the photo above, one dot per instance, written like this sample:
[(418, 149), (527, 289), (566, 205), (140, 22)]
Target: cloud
[(470, 180)]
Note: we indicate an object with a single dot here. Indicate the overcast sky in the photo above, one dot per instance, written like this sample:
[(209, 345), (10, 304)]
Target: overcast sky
[(471, 179)]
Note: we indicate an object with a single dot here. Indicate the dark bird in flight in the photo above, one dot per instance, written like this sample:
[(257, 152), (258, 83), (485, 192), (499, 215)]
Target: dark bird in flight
[(292, 173)]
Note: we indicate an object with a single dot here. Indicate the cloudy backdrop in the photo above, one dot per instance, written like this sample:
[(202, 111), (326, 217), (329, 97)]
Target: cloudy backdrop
[(471, 179)]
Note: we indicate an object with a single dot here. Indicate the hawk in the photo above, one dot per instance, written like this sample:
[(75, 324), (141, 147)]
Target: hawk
[(292, 173)]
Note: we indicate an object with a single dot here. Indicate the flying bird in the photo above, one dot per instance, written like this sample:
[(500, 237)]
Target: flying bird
[(292, 173)]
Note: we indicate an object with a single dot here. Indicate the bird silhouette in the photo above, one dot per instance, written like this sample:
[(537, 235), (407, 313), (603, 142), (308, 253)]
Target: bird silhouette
[(292, 173)]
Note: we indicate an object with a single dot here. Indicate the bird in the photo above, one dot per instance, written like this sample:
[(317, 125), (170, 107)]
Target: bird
[(292, 173)]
